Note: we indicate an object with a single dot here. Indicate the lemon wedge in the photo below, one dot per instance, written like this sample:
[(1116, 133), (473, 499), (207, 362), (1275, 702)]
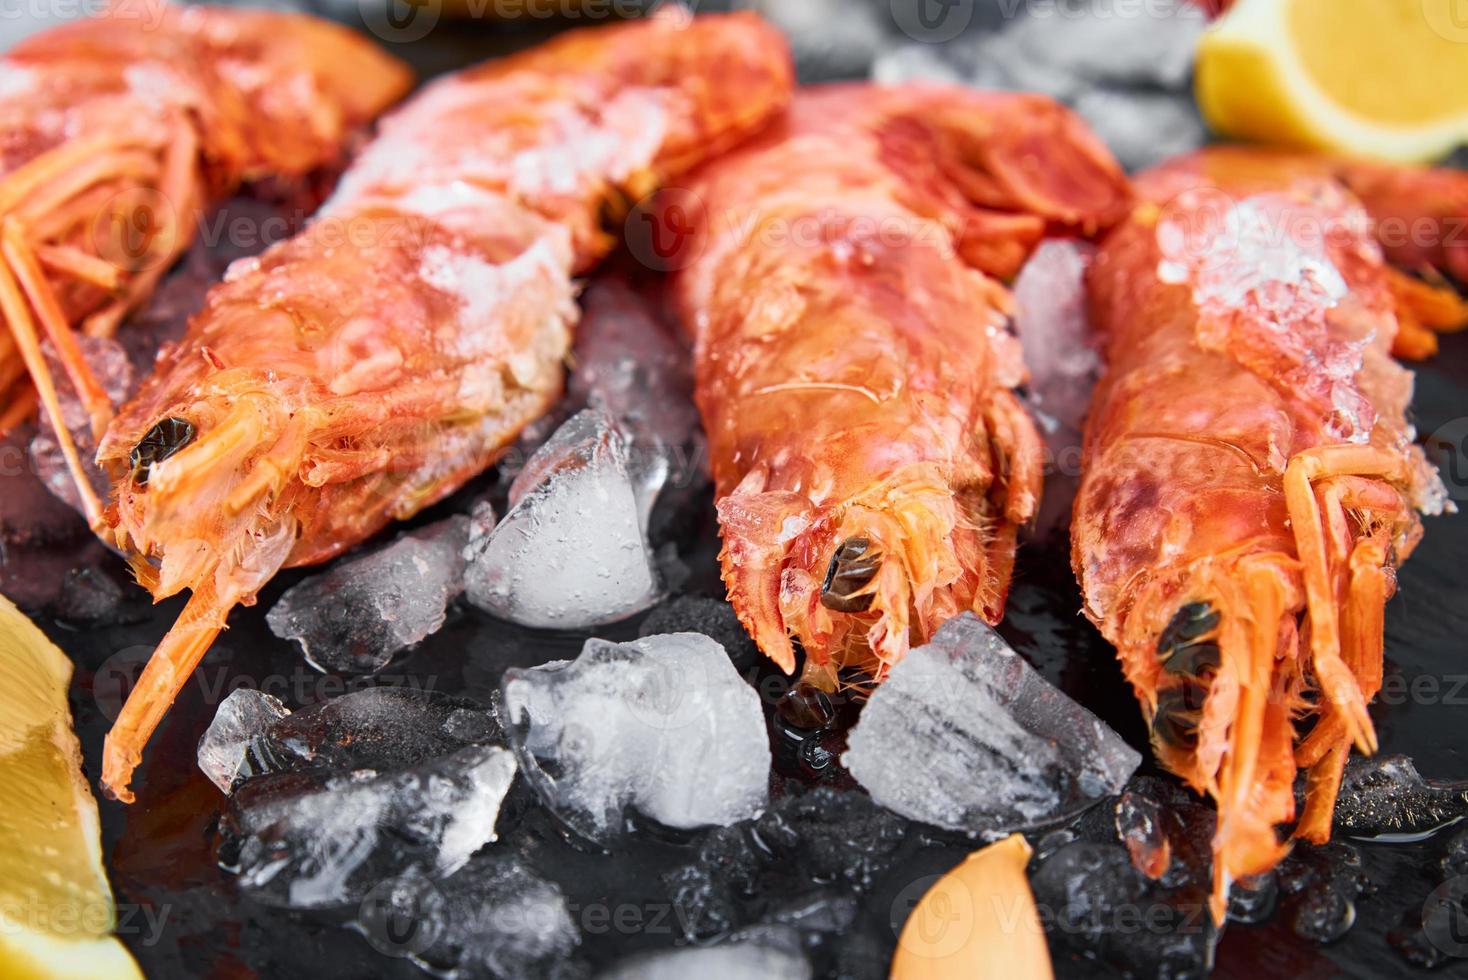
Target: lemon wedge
[(1380, 78), (56, 912), (977, 922)]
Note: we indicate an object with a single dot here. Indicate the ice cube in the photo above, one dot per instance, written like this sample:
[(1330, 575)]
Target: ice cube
[(572, 553), (253, 734), (359, 613), (663, 724), (770, 953), (494, 918), (322, 839), (631, 363), (242, 717), (713, 618), (964, 734), (1091, 885), (1050, 319), (378, 728), (1385, 796)]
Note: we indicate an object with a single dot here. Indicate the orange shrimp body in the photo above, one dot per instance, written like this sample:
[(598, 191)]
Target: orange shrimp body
[(368, 367), (854, 369), (1249, 483), (118, 129)]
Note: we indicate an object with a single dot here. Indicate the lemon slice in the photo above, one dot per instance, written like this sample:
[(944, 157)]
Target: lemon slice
[(977, 922), (56, 914), (1382, 78)]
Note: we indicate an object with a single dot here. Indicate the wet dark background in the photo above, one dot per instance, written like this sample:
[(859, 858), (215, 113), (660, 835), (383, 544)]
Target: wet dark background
[(161, 852)]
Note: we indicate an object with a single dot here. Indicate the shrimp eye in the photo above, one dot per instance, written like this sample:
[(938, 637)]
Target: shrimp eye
[(852, 567), (167, 437), (1187, 624), (1179, 711)]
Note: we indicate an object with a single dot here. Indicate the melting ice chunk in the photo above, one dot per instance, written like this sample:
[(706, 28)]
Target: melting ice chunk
[(1050, 318), (632, 364), (321, 839), (663, 724), (378, 727), (330, 800), (492, 918), (572, 552), (965, 735), (357, 614), (770, 953), (242, 717)]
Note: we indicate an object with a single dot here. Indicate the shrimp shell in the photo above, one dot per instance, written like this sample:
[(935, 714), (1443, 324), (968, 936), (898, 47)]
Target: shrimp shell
[(1250, 482), (855, 369)]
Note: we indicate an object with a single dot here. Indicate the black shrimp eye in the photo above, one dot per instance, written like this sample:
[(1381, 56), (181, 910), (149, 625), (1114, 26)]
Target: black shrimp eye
[(852, 567), (1192, 621), (1179, 710), (167, 437)]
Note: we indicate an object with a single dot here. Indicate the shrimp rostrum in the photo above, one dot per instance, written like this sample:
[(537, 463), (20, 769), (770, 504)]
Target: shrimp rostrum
[(854, 366), (1250, 483), (118, 130), (372, 364)]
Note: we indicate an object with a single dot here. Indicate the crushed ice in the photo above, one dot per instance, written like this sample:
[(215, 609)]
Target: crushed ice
[(328, 801), (572, 552), (965, 735), (355, 616), (663, 725)]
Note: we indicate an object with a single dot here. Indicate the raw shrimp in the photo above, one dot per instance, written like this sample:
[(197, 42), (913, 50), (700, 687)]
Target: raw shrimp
[(368, 367), (1250, 482), (855, 368), (117, 130)]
